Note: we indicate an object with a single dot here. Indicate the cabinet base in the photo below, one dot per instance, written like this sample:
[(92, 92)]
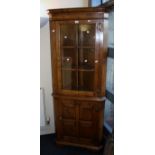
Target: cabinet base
[(90, 147)]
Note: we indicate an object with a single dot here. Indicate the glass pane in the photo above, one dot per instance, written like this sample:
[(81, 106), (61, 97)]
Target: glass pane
[(68, 33), (86, 58), (87, 35), (109, 116), (69, 58), (86, 80), (69, 80)]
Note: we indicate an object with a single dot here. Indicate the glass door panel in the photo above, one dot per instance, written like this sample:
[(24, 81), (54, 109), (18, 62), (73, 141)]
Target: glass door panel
[(67, 34), (69, 80), (69, 56), (86, 58), (86, 80), (87, 35), (77, 45)]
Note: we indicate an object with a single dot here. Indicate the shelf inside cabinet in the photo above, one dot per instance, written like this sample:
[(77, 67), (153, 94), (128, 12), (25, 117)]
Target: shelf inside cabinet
[(90, 46), (86, 70), (69, 69), (68, 46)]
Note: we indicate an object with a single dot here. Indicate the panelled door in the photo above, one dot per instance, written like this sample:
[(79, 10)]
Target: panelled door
[(78, 51), (87, 132), (67, 120), (77, 121)]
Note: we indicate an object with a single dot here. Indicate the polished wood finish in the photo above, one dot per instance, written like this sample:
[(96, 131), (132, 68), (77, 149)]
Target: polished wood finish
[(79, 55), (76, 13), (79, 122)]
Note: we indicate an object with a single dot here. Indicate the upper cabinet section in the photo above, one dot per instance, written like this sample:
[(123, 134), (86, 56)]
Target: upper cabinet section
[(79, 50), (77, 55)]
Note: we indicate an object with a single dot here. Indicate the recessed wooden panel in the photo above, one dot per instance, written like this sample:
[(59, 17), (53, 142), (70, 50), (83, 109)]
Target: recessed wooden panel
[(85, 111), (69, 128), (86, 129), (68, 109)]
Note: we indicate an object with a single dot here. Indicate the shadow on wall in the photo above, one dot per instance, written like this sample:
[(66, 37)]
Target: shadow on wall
[(43, 21)]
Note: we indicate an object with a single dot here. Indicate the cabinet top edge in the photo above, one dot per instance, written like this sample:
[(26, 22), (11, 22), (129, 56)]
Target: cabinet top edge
[(80, 9)]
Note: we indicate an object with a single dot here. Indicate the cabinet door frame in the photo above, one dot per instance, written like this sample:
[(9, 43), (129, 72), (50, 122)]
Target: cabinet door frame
[(98, 40)]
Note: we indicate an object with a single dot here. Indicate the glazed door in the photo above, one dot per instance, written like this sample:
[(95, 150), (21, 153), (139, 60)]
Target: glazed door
[(79, 57), (86, 57), (68, 57)]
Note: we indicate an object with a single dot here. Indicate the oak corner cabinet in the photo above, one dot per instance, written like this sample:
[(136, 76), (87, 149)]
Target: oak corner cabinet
[(79, 55)]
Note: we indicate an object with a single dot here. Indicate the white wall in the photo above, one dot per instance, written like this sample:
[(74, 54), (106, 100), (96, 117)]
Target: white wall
[(51, 4), (45, 76), (45, 59)]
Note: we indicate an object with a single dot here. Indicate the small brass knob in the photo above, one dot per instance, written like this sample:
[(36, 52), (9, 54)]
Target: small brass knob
[(96, 61), (53, 30)]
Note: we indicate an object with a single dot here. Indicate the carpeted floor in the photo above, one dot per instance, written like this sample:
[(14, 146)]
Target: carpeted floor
[(48, 147)]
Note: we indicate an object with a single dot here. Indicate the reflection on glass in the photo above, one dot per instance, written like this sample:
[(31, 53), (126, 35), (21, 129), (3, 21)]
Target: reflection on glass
[(87, 34), (77, 44), (69, 58), (86, 58), (69, 80), (86, 80), (68, 33)]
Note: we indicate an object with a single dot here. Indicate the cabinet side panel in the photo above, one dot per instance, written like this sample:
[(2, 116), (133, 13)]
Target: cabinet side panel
[(103, 56), (53, 56), (57, 113)]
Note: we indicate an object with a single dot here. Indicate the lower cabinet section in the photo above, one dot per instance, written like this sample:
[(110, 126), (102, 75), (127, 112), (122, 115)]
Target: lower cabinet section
[(79, 122)]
